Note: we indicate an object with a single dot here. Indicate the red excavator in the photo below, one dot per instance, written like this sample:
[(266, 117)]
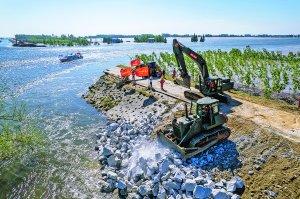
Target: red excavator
[(208, 86)]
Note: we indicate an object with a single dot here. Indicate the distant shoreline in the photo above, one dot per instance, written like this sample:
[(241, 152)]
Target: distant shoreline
[(206, 35)]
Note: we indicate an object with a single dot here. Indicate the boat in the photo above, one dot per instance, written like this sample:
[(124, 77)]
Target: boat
[(202, 38), (70, 57), (27, 44), (194, 38)]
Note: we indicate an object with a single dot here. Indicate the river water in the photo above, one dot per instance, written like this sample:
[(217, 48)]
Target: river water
[(52, 92)]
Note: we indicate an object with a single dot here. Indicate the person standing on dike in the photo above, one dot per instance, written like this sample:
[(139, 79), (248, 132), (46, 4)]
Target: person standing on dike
[(162, 81), (133, 77)]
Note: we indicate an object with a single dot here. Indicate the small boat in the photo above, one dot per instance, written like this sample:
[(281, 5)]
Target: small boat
[(194, 38), (202, 38), (70, 57)]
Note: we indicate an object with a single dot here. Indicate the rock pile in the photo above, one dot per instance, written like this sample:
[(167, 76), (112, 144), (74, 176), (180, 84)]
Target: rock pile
[(139, 167)]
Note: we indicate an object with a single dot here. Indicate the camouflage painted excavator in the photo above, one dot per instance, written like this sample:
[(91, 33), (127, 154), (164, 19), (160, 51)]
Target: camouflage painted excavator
[(207, 85), (196, 132)]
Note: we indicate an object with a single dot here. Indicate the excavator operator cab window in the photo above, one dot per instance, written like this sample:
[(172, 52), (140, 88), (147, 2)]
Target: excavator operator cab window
[(215, 109), (206, 113)]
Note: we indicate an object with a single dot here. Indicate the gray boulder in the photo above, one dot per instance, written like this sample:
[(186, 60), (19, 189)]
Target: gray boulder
[(166, 176), (209, 183), (152, 168), (113, 126), (155, 189), (121, 185), (179, 176), (177, 162), (220, 194), (235, 183), (239, 183), (235, 196), (112, 175), (106, 151), (113, 161), (231, 187), (171, 185), (164, 166), (161, 193), (136, 174), (200, 180), (188, 185), (201, 192), (106, 187), (144, 190), (133, 196)]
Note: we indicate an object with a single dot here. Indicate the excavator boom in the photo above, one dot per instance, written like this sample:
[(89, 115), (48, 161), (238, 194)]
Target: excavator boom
[(179, 49)]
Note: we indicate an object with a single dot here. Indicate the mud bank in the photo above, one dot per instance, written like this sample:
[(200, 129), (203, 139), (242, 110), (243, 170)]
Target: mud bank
[(254, 160)]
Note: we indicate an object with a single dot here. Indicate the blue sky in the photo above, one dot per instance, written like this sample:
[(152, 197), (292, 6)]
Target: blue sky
[(92, 17)]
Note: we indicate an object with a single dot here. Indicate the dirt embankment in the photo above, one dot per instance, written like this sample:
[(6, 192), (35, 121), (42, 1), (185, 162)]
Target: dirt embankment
[(269, 163)]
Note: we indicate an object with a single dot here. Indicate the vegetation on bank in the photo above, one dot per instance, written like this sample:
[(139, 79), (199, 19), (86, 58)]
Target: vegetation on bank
[(63, 40), (150, 38), (21, 146), (107, 102), (269, 71)]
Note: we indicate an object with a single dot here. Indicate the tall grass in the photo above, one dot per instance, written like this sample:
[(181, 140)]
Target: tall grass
[(21, 146)]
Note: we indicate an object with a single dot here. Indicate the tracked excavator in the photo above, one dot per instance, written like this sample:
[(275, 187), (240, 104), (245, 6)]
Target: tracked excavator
[(194, 133), (208, 86)]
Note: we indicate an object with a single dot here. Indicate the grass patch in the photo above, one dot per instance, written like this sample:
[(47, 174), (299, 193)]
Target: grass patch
[(278, 104), (110, 79), (107, 102), (145, 92)]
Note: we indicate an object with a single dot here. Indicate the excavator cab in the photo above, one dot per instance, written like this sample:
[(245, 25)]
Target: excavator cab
[(208, 109)]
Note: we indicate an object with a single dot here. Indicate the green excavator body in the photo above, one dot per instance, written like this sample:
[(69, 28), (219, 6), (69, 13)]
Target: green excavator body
[(196, 132)]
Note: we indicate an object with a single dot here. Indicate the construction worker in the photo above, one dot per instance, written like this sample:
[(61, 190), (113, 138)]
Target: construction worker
[(150, 83), (133, 77), (174, 74), (162, 81)]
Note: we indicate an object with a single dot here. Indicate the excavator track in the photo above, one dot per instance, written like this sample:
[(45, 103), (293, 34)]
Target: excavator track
[(194, 95), (198, 144), (218, 134)]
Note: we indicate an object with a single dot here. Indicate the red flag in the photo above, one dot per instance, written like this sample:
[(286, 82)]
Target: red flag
[(125, 72), (142, 71), (135, 62)]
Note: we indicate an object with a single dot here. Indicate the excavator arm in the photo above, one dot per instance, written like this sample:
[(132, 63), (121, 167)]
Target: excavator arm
[(179, 49)]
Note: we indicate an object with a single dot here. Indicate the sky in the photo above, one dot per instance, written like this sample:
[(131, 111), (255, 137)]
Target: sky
[(91, 17)]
